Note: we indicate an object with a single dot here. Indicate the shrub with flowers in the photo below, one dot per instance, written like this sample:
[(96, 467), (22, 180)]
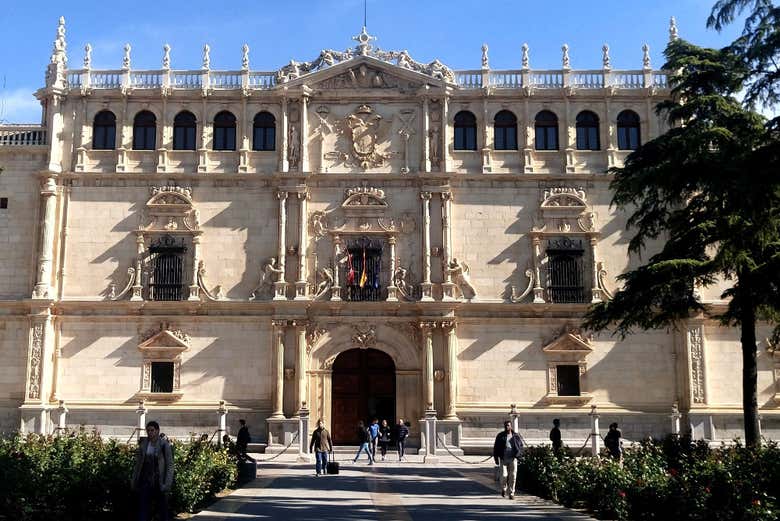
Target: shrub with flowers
[(81, 476), (658, 480)]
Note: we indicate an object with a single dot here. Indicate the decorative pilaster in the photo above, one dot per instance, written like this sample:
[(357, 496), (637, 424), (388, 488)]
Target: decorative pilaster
[(194, 288), (304, 133), (392, 290), (335, 293), (280, 286), (426, 246), (538, 291), (595, 289), (697, 364), (452, 370), (426, 135), (445, 131), (486, 167), (140, 247), (284, 165), (448, 288), (278, 366), (43, 289), (301, 399), (303, 240)]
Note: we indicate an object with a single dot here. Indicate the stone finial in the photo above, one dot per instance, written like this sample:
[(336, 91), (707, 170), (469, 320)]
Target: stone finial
[(245, 57), (646, 57), (126, 58), (206, 57), (673, 35), (58, 54), (485, 64), (166, 56), (566, 62), (87, 56), (525, 56), (605, 57)]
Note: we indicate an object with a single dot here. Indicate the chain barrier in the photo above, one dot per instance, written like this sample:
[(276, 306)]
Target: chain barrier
[(576, 454), (135, 430), (295, 437), (444, 444)]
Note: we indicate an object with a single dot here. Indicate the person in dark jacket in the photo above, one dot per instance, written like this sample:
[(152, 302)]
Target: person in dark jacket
[(506, 451), (613, 443), (242, 440), (364, 438), (153, 473), (322, 445), (401, 435), (555, 437), (384, 438)]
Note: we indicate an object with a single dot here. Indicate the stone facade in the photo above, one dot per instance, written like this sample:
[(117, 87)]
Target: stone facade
[(367, 152)]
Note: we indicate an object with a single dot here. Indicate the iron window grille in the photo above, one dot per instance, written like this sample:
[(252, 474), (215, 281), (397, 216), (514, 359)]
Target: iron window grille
[(162, 377), (568, 378), (363, 256), (167, 274), (565, 271)]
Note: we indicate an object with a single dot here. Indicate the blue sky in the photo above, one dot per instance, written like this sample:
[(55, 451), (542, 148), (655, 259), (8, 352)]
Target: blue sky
[(452, 31)]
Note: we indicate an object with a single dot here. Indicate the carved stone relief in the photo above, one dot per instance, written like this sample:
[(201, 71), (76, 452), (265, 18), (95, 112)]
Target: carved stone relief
[(364, 336), (364, 140), (36, 356), (696, 345)]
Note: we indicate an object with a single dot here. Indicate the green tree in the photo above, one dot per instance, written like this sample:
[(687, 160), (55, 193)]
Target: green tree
[(759, 45), (709, 190)]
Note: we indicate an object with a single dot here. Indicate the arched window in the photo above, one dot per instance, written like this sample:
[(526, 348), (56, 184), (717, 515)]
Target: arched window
[(505, 131), (546, 127), (224, 131), (587, 131), (264, 132), (144, 131), (104, 131), (628, 130), (184, 128), (465, 131)]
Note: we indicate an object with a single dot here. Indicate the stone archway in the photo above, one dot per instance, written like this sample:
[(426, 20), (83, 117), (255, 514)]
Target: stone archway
[(363, 387)]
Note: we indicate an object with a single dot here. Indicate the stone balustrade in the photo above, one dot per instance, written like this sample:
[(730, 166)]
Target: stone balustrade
[(22, 135)]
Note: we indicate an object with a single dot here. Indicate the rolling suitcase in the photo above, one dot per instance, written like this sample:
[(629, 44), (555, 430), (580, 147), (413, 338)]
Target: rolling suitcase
[(333, 466)]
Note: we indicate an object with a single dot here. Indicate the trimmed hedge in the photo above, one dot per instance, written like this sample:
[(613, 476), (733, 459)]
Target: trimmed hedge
[(661, 480), (81, 476)]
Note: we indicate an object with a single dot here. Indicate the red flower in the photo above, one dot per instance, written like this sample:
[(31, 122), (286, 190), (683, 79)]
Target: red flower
[(756, 502), (707, 490), (673, 471), (621, 493)]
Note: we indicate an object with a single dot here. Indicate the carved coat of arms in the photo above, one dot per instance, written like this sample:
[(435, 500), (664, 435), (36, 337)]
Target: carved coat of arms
[(365, 130)]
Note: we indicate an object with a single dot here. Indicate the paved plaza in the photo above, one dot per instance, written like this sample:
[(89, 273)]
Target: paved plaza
[(386, 491)]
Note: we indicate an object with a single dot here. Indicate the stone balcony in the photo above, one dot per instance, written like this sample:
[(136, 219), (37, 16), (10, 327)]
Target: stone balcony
[(22, 135)]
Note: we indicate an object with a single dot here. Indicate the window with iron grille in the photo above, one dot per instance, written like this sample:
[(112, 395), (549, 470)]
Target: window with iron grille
[(361, 271), (568, 378), (162, 377), (565, 271), (167, 273)]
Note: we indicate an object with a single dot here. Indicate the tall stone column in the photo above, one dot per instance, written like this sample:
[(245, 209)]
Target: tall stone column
[(448, 288), (335, 293), (303, 240), (445, 132), (304, 133), (301, 396), (194, 288), (595, 289), (426, 246), (452, 370), (57, 125), (43, 289), (426, 135), (392, 290), (427, 352), (280, 286), (278, 369)]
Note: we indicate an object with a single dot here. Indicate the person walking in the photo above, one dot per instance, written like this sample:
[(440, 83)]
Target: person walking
[(613, 442), (401, 435), (384, 438), (153, 474), (506, 450), (373, 429), (322, 445), (364, 437), (555, 437)]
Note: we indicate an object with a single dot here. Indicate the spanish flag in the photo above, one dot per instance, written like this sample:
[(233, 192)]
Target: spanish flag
[(364, 275)]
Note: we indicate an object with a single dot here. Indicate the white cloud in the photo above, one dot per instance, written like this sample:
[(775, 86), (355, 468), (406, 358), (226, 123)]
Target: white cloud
[(19, 106)]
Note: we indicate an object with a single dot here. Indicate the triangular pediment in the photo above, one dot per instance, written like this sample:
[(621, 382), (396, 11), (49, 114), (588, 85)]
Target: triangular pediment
[(165, 341), (365, 72), (568, 343)]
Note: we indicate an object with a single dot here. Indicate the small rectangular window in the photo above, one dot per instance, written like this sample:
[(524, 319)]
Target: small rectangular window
[(568, 380), (162, 377), (3, 203)]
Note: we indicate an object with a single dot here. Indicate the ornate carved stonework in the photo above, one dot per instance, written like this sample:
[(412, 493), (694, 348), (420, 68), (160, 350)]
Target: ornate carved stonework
[(313, 334), (696, 344), (364, 336), (408, 329), (166, 327), (36, 355), (366, 139)]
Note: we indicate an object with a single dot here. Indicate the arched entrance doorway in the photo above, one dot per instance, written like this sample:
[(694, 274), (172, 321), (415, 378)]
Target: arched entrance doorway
[(363, 389)]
